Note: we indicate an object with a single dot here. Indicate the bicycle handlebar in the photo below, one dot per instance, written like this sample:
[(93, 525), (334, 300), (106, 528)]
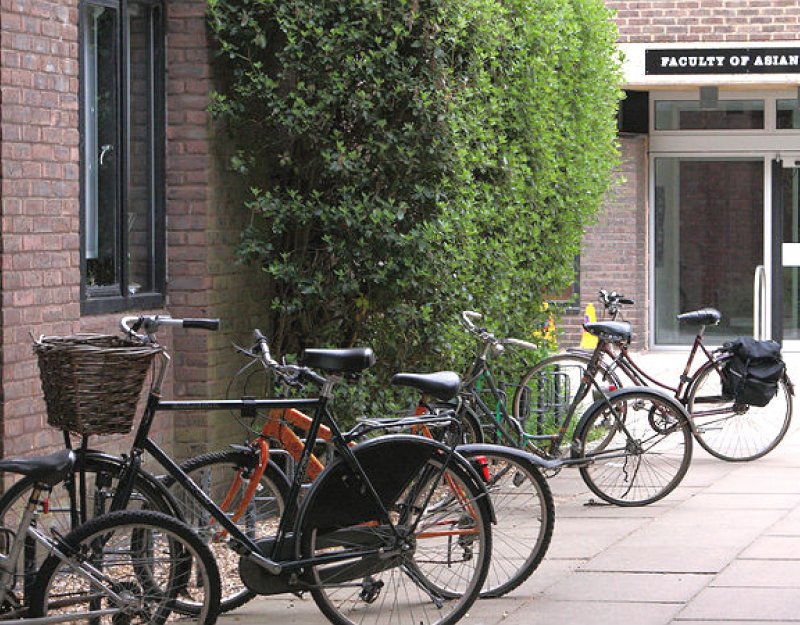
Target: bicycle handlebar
[(289, 373), (613, 298), (150, 324), (467, 317)]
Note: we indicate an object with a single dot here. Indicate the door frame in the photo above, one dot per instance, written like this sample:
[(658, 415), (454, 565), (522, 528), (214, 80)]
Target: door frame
[(770, 145)]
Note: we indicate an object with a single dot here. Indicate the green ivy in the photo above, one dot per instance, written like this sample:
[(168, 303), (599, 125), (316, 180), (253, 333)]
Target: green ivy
[(408, 159)]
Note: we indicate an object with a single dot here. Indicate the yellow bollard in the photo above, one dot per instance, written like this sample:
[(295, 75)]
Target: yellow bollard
[(589, 341)]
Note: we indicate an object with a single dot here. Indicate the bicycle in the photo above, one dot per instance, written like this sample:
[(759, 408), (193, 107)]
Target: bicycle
[(123, 567), (522, 501), (631, 445), (359, 542), (726, 429)]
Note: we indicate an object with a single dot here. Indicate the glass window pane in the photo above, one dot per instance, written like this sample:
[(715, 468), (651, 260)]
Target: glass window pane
[(790, 192), (141, 201), (101, 125), (728, 115), (709, 221), (788, 114)]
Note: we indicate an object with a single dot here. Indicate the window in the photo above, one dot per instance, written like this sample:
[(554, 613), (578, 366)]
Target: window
[(122, 125), (727, 115), (788, 114)]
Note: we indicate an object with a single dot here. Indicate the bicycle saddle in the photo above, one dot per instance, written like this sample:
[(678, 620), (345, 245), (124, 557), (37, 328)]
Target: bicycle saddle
[(49, 470), (702, 317), (350, 360), (442, 385), (610, 331)]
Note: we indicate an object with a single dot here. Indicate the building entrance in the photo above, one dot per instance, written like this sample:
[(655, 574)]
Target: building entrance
[(725, 215)]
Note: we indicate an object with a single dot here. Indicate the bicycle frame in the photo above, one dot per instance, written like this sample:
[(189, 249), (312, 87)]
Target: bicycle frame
[(622, 359), (293, 446)]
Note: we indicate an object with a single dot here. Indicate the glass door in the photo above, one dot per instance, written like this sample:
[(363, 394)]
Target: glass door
[(787, 278), (708, 242)]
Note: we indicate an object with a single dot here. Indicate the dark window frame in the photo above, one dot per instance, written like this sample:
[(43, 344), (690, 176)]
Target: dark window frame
[(116, 297)]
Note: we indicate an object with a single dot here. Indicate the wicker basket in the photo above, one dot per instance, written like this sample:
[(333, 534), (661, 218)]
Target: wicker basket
[(92, 382)]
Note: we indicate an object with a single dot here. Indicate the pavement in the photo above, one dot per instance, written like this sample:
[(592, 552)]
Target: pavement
[(724, 547)]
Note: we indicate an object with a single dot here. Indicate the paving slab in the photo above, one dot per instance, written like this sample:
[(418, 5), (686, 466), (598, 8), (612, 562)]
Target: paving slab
[(780, 605), (585, 538), (760, 574), (629, 587), (769, 547), (544, 611)]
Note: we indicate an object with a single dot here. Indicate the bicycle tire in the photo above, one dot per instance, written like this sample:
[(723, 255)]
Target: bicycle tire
[(152, 558), (214, 472), (546, 391), (101, 472), (641, 459), (432, 582), (741, 432), (525, 515)]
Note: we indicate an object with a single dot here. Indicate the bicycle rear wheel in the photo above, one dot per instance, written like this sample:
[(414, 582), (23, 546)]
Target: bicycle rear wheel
[(736, 432), (225, 476), (430, 574), (638, 444), (524, 510), (146, 558)]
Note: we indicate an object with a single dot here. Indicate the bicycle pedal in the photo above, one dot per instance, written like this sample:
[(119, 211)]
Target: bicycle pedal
[(593, 503)]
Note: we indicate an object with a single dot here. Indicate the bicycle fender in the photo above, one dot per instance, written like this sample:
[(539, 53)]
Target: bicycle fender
[(476, 449), (620, 394), (338, 499)]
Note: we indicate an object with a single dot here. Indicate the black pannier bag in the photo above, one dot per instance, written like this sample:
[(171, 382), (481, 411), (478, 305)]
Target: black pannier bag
[(752, 374)]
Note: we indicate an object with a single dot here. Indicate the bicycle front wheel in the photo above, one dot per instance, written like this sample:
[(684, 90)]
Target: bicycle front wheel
[(429, 572), (524, 510), (736, 432), (129, 567), (546, 392), (638, 447)]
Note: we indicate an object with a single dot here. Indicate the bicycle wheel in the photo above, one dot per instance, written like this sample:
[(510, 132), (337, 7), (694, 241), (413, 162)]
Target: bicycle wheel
[(639, 447), (546, 392), (146, 558), (99, 475), (524, 511), (736, 432), (430, 574), (224, 476)]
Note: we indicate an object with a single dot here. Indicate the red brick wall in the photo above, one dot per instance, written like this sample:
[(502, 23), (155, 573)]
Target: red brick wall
[(706, 20), (614, 254), (39, 191), (205, 219)]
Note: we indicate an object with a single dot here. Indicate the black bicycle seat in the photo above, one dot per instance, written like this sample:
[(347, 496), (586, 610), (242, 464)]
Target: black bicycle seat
[(350, 360), (610, 331), (442, 385), (45, 469), (702, 317)]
